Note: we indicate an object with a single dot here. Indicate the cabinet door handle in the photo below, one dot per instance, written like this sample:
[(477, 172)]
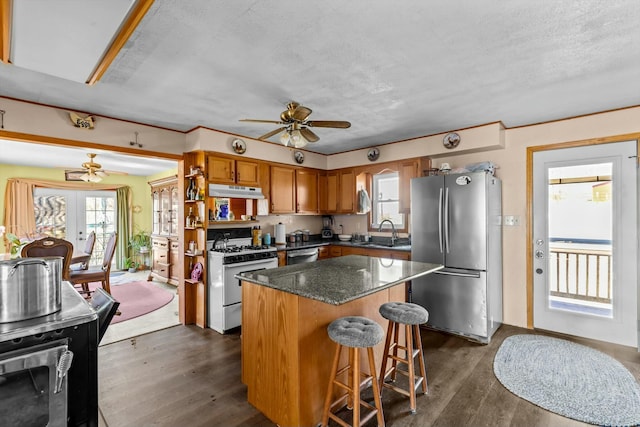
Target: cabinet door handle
[(232, 174)]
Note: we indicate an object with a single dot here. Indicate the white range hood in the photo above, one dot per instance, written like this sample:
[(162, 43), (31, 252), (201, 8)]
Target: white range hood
[(235, 191)]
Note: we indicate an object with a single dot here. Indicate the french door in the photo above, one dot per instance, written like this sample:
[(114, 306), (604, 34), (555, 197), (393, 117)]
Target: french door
[(72, 215), (585, 241)]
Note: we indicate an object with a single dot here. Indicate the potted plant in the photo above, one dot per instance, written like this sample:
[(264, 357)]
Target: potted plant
[(15, 243), (131, 265), (140, 241)]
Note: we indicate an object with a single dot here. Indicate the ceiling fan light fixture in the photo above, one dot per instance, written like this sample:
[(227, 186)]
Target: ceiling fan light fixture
[(297, 139), (92, 176), (285, 138)]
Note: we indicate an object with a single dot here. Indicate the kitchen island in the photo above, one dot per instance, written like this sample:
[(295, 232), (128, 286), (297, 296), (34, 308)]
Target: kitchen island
[(286, 352)]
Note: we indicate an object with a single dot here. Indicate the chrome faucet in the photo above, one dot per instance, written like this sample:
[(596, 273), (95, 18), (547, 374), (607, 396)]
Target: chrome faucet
[(394, 233)]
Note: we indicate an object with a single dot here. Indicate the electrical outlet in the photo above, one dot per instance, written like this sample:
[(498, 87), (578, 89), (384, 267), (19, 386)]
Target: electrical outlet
[(511, 220)]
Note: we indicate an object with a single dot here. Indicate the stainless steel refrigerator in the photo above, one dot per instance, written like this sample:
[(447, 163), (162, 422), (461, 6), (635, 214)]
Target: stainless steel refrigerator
[(456, 220)]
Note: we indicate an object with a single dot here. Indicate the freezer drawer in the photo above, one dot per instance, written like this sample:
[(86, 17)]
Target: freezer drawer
[(456, 301)]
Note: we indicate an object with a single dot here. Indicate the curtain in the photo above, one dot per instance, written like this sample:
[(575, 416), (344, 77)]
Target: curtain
[(19, 217), (123, 200)]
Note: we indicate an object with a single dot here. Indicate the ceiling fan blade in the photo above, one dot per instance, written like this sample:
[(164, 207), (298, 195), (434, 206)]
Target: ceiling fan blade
[(328, 124), (301, 113), (262, 121), (273, 132), (309, 135)]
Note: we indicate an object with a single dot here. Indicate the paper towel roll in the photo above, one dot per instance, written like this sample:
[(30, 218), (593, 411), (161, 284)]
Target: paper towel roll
[(281, 238)]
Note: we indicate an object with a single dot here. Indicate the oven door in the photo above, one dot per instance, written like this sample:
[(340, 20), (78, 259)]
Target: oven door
[(232, 292), (30, 390)]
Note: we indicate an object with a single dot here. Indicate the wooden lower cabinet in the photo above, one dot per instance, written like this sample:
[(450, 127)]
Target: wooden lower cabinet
[(165, 253), (323, 252)]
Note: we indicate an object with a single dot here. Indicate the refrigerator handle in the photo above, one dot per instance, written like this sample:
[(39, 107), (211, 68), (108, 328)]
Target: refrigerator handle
[(451, 273), (446, 219), (440, 220)]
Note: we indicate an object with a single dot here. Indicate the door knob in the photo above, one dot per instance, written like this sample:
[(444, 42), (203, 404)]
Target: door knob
[(539, 254)]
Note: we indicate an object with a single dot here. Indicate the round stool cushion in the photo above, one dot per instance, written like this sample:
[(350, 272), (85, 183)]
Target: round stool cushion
[(404, 312), (355, 331)]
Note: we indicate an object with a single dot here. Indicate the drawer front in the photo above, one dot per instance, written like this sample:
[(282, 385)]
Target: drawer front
[(175, 245), (160, 243)]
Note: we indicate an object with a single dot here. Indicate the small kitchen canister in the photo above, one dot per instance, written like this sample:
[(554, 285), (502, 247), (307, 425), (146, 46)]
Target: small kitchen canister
[(267, 239)]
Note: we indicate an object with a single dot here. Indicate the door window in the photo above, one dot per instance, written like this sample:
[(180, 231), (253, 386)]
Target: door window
[(72, 215)]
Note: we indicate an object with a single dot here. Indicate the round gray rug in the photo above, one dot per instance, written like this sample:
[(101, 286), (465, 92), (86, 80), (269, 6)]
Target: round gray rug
[(569, 379)]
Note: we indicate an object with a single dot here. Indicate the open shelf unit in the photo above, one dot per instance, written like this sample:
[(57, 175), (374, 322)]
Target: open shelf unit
[(194, 288)]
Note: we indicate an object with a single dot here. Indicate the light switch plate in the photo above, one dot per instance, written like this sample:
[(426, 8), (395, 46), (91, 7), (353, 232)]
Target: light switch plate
[(511, 220)]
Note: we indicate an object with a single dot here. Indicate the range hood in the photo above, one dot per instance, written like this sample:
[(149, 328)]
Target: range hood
[(235, 191)]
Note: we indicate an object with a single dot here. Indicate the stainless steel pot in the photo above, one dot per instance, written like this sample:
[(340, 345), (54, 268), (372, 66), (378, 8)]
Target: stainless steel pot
[(30, 287)]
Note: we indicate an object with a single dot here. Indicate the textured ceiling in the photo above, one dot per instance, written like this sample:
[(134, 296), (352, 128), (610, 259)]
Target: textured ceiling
[(395, 70)]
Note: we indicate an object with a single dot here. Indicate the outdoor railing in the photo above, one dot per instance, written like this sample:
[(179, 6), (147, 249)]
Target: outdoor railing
[(582, 274)]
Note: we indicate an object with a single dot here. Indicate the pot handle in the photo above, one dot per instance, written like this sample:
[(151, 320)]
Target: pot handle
[(28, 261)]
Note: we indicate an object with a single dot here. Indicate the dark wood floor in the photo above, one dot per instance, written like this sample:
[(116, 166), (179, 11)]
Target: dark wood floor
[(189, 376)]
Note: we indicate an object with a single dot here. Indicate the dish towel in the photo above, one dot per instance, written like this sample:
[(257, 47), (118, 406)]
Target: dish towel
[(364, 203)]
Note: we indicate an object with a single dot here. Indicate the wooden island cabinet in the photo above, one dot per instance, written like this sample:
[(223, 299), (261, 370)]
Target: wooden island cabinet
[(286, 352)]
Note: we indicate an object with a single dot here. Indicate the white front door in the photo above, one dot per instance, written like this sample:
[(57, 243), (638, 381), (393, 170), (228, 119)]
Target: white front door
[(72, 215), (585, 241)]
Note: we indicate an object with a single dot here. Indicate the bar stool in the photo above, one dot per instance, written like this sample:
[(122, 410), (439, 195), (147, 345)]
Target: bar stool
[(410, 315), (354, 332)]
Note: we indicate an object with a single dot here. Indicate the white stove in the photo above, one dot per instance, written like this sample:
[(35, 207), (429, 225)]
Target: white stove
[(229, 253)]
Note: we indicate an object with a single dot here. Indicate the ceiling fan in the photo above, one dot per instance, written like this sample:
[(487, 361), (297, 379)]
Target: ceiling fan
[(93, 171), (296, 125)]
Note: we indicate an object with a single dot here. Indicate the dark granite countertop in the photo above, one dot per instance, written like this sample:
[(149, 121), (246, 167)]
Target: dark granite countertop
[(340, 280)]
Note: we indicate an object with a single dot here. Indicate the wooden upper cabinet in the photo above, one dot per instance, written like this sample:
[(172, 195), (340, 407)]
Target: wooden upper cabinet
[(307, 191), (407, 170), (221, 170), (347, 191), (331, 191), (283, 192), (247, 173), (226, 170)]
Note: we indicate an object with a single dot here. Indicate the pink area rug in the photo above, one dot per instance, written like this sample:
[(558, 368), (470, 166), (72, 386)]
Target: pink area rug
[(137, 298)]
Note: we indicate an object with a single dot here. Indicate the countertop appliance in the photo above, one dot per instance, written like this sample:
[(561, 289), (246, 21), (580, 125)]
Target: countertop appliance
[(327, 223), (229, 253), (31, 353), (456, 221)]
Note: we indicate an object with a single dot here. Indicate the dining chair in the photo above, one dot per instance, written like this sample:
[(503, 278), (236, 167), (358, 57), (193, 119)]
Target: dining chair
[(81, 262), (50, 246), (100, 273)]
